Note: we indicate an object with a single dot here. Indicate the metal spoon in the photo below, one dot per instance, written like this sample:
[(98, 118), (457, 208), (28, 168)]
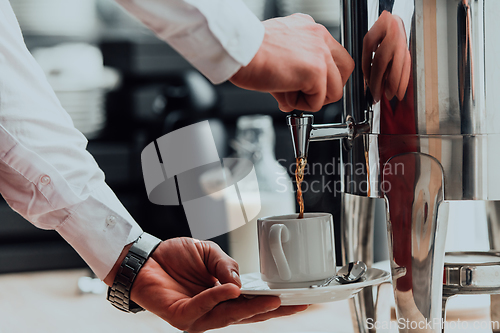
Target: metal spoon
[(349, 273)]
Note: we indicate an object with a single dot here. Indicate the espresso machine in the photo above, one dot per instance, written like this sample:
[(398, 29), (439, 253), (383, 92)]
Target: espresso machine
[(434, 144)]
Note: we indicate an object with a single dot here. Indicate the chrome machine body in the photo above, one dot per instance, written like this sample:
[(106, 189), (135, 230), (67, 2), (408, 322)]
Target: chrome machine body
[(436, 144)]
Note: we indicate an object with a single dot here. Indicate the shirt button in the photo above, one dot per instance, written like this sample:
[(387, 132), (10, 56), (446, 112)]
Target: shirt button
[(110, 221), (45, 180)]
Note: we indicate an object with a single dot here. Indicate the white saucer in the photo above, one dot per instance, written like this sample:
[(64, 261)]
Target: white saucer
[(252, 284)]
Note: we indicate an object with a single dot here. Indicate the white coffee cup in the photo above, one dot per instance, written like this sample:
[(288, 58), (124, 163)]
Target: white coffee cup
[(294, 251)]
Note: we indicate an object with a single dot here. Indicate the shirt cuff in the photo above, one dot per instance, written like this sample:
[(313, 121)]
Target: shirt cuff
[(238, 31), (100, 219), (217, 37)]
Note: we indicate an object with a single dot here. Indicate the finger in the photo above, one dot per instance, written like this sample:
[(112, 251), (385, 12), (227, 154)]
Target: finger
[(291, 98), (306, 102), (335, 84), (371, 41), (220, 265), (208, 299), (280, 312), (234, 311), (405, 77), (395, 73), (342, 59), (313, 95), (382, 58), (282, 104)]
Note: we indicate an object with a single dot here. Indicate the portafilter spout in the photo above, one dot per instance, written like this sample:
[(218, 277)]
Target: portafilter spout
[(300, 130), (304, 131)]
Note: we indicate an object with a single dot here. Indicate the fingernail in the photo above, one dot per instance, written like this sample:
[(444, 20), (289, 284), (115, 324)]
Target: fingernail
[(236, 278), (249, 296)]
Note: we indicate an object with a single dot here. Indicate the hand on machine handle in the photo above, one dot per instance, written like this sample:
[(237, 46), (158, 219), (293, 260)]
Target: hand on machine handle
[(299, 63)]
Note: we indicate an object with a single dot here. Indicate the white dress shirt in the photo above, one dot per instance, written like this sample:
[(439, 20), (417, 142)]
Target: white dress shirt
[(215, 36), (46, 174)]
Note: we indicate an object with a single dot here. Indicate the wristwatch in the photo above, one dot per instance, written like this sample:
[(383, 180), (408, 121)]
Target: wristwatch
[(119, 292)]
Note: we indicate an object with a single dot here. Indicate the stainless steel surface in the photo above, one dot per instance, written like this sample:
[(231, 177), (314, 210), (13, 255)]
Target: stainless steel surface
[(303, 130), (377, 149), (493, 219), (417, 225), (362, 308), (445, 96), (354, 23), (448, 68), (352, 272), (357, 222), (434, 144), (443, 305), (357, 229), (332, 131), (300, 130), (472, 273), (324, 284)]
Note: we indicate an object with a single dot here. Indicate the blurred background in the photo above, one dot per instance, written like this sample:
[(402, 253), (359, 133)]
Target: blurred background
[(124, 88)]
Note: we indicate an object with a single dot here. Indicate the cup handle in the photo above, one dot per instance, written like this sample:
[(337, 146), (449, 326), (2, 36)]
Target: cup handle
[(279, 234)]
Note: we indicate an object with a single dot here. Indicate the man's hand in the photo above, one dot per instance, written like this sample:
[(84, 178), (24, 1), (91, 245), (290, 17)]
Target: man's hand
[(299, 63), (389, 70), (195, 287)]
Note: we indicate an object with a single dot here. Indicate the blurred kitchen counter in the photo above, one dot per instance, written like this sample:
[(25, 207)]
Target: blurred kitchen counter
[(50, 302)]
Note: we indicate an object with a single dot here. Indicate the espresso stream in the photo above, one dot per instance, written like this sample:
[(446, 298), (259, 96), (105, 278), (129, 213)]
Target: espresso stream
[(299, 177)]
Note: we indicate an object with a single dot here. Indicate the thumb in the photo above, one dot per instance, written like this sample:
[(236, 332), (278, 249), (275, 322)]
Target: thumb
[(222, 266), (232, 277)]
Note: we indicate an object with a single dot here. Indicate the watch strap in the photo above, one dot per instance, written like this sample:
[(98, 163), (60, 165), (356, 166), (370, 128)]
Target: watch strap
[(139, 252)]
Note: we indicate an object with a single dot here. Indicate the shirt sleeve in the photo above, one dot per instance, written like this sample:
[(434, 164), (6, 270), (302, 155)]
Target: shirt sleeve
[(46, 174), (217, 37)]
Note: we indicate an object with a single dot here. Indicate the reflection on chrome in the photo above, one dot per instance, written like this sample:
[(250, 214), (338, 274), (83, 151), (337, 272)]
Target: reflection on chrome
[(424, 63)]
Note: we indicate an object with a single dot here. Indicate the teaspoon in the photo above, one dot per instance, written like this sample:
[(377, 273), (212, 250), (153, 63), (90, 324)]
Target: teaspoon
[(349, 273)]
